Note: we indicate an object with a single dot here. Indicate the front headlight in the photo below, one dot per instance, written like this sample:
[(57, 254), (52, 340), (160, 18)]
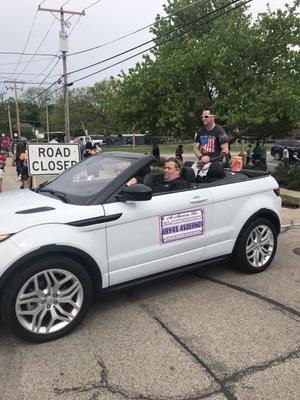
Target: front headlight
[(3, 237)]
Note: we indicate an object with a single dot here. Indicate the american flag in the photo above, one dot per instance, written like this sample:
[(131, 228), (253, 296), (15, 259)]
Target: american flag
[(208, 143)]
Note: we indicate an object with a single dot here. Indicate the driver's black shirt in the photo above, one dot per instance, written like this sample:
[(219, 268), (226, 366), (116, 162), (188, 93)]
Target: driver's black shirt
[(177, 184)]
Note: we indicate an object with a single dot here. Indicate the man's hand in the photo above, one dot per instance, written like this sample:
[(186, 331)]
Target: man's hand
[(203, 160)]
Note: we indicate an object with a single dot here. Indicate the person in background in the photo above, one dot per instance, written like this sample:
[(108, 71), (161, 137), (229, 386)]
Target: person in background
[(285, 154), (25, 179), (249, 154), (263, 155), (89, 150), (155, 152), (211, 140), (81, 148), (2, 165), (179, 153), (20, 148), (59, 138)]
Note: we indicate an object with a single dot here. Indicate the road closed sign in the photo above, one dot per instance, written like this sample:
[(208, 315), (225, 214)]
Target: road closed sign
[(51, 158)]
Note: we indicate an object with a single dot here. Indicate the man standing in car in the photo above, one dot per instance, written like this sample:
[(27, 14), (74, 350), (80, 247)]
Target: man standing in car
[(211, 140)]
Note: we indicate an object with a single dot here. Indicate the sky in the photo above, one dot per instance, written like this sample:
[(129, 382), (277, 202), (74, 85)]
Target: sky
[(104, 21)]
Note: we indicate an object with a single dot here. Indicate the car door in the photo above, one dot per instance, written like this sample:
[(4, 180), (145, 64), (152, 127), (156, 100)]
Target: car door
[(166, 232)]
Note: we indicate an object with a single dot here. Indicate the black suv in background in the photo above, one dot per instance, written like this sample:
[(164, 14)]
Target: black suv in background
[(292, 146)]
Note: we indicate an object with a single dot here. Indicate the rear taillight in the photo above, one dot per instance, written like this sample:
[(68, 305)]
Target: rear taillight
[(277, 191)]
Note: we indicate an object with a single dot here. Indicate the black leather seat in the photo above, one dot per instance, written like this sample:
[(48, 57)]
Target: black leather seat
[(151, 179), (188, 174)]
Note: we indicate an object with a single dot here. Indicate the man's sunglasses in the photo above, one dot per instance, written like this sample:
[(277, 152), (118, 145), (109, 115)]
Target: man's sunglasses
[(206, 116)]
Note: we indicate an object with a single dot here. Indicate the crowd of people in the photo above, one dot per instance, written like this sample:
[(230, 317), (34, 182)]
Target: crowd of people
[(211, 147)]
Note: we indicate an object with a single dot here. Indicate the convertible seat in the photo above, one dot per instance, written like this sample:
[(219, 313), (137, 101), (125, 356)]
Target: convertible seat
[(215, 172), (151, 179), (188, 174)]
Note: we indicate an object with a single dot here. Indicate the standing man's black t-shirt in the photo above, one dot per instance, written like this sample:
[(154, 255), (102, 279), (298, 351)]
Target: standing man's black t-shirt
[(211, 141)]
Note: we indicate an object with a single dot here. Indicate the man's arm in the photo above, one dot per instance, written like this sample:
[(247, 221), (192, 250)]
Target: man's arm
[(225, 148), (197, 149)]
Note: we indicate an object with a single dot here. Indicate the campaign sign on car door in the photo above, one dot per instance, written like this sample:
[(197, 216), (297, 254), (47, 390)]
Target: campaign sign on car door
[(181, 225), (51, 158)]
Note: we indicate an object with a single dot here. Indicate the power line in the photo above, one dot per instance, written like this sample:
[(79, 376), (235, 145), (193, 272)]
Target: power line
[(26, 42), (42, 73), (86, 8), (154, 46), (24, 62), (40, 45), (158, 37), (134, 32), (47, 76), (167, 40), (26, 54)]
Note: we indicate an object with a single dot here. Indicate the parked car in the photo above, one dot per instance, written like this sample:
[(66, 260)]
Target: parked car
[(87, 232), (96, 140), (277, 149)]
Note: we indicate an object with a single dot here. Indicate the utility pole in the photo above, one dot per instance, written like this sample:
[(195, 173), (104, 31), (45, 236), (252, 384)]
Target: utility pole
[(15, 89), (63, 44), (9, 122), (47, 121)]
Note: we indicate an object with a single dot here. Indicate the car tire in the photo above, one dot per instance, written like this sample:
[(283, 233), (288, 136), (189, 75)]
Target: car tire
[(277, 156), (256, 246), (46, 299)]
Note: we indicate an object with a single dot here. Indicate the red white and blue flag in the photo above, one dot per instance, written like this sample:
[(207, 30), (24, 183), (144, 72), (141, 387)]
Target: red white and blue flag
[(208, 143)]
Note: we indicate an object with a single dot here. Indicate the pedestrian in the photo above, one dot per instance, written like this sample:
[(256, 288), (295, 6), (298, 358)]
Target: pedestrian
[(179, 152), (20, 148), (285, 154), (263, 156), (2, 165), (89, 150), (211, 140), (58, 138), (249, 154), (155, 152)]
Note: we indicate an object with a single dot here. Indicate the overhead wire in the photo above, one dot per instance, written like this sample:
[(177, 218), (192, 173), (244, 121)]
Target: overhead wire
[(134, 32), (40, 45), (157, 38), (165, 41), (28, 37), (154, 46)]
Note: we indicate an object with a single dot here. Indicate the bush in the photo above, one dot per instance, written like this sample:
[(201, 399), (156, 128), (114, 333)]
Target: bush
[(288, 175)]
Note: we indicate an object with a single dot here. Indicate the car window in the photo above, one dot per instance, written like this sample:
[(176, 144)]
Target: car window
[(90, 176)]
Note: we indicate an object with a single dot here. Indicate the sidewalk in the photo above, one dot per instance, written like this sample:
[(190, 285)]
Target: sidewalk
[(289, 216)]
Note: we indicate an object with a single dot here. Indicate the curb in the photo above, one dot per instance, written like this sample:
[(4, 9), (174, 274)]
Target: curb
[(287, 204)]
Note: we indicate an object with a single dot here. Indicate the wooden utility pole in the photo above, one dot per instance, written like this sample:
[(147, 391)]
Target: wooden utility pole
[(47, 121), (9, 122), (63, 43), (15, 89)]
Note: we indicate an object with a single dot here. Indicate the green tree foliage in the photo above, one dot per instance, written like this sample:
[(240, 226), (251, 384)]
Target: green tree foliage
[(246, 71)]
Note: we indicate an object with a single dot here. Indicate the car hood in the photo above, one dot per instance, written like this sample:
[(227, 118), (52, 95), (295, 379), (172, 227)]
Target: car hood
[(22, 209)]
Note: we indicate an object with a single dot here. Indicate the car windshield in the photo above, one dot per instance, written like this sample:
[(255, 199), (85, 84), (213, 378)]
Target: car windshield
[(89, 176)]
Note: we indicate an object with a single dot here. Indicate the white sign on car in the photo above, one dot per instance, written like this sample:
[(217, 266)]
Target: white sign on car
[(51, 158)]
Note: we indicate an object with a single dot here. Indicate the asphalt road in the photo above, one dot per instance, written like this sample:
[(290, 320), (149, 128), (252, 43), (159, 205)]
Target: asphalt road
[(212, 334)]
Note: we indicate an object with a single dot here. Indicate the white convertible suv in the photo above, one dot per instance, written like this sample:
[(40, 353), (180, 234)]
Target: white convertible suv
[(86, 231)]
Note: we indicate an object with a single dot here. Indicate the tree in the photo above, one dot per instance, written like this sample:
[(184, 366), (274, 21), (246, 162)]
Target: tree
[(246, 71)]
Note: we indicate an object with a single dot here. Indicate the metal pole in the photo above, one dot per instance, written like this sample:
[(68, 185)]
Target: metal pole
[(66, 94), (9, 122), (17, 110)]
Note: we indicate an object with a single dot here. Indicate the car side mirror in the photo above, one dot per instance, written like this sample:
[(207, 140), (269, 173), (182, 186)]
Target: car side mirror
[(138, 192)]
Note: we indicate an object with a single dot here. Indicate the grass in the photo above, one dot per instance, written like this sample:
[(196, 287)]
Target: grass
[(170, 148)]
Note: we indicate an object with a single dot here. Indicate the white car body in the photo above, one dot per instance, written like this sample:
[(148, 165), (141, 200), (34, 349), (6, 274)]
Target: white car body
[(125, 240)]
